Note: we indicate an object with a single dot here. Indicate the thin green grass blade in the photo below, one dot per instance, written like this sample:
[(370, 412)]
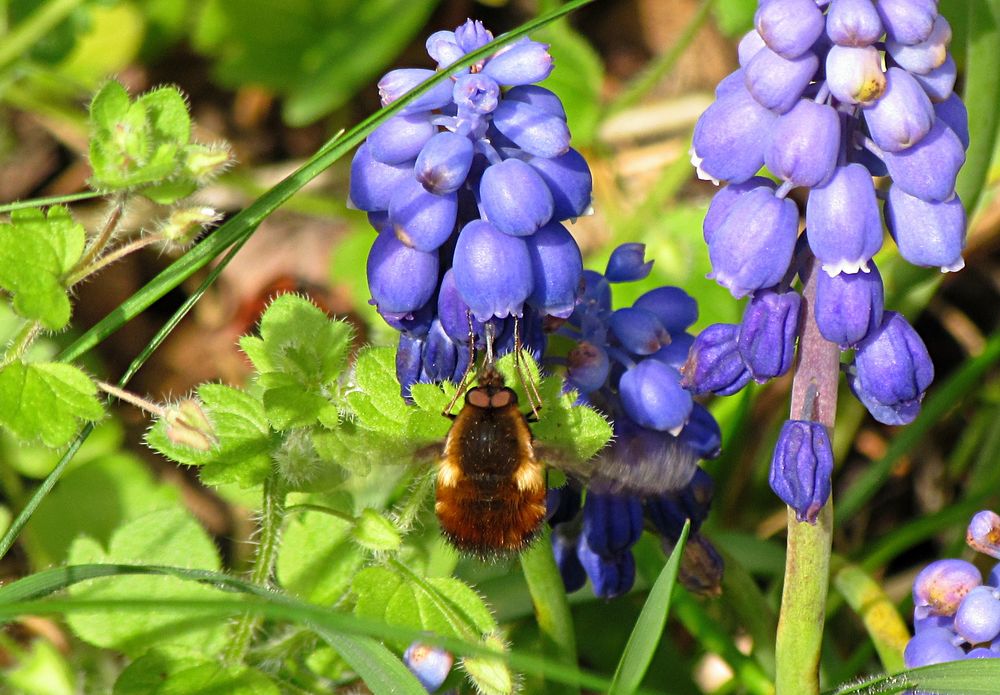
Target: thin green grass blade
[(21, 597), (50, 200), (968, 677), (945, 396), (882, 621), (380, 669), (649, 626)]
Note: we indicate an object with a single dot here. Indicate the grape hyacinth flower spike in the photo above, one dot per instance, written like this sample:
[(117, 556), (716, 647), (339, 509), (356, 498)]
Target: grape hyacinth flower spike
[(467, 190)]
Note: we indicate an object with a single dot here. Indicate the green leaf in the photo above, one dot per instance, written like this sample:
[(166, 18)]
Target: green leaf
[(375, 533), (490, 675), (734, 16), (40, 670), (95, 499), (966, 677), (649, 626), (165, 536), (318, 558), (167, 674), (309, 52), (245, 446), (46, 401), (36, 252)]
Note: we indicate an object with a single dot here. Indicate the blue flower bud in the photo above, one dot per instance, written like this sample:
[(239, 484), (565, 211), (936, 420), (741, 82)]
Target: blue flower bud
[(983, 533), (628, 263), (789, 27), (842, 221), (777, 83), (675, 308), (562, 503), (801, 468), (596, 292), (940, 586), (932, 646), (730, 137), (804, 144), (442, 47), (408, 357), (954, 115), (747, 49), (429, 664), (652, 396), (725, 198), (611, 523), (401, 138), (415, 322), (702, 434), (714, 364), (401, 279), (610, 577), (854, 75), (753, 247), (907, 21), (439, 356), (492, 271), (520, 63), (476, 94), (564, 549), (453, 311), (849, 305), (853, 23), (927, 234), (892, 370), (587, 367), (922, 57), (532, 129), (733, 82), (556, 269), (443, 163), (675, 354), (570, 182), (928, 170), (669, 512), (396, 83), (539, 97), (638, 330), (373, 182), (902, 116), (939, 83), (768, 332), (422, 220), (472, 35), (701, 566), (514, 197)]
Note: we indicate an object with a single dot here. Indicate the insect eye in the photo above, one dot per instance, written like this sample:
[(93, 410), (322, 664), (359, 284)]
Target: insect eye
[(502, 399), (478, 398)]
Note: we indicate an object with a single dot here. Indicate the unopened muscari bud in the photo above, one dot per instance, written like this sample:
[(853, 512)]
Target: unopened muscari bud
[(429, 664), (564, 550), (854, 75), (639, 331), (443, 163), (849, 306), (539, 97), (611, 523), (628, 263), (714, 364), (902, 116), (653, 397), (372, 182), (748, 47), (532, 129), (730, 137), (777, 83), (587, 366), (610, 576), (978, 617), (674, 307), (556, 268), (933, 646), (768, 333), (954, 115), (514, 197), (789, 27), (801, 468), (569, 181), (983, 533), (805, 143), (892, 371), (396, 83), (927, 233), (753, 246), (401, 279), (853, 23), (907, 21), (842, 220), (922, 57), (939, 83), (929, 169), (941, 586), (492, 271), (520, 63), (420, 219), (401, 138), (725, 198)]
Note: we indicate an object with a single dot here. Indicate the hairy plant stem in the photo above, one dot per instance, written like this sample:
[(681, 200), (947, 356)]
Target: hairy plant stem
[(272, 515), (807, 563), (132, 399), (20, 343), (107, 259), (96, 246), (548, 594)]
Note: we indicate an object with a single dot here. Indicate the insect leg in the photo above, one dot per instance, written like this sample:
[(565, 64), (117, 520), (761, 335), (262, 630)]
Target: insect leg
[(463, 384), (530, 388)]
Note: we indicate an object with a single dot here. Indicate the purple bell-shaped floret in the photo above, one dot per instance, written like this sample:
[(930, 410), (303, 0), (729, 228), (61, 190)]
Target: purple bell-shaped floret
[(927, 234), (768, 332), (514, 197), (853, 23), (653, 397), (849, 305), (805, 144), (443, 163), (535, 131), (842, 221), (492, 271), (420, 219), (929, 169), (789, 27), (401, 279), (556, 268), (730, 137), (902, 116), (801, 468)]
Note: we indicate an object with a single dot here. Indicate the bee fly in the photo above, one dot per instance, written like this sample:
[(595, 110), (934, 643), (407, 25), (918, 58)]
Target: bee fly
[(490, 487)]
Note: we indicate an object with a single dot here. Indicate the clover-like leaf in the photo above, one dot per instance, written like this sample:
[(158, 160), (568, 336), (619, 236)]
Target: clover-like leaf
[(244, 446), (46, 401), (164, 537), (37, 250)]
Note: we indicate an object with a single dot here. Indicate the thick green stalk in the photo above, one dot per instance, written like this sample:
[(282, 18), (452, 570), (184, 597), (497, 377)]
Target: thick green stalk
[(548, 594), (807, 563), (272, 516)]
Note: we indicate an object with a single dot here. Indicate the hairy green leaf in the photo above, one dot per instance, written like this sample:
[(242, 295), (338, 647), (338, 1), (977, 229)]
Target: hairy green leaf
[(165, 536), (318, 557), (36, 252), (161, 672), (46, 401)]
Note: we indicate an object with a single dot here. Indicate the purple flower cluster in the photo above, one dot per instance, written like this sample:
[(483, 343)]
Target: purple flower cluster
[(467, 188), (626, 363), (956, 614), (829, 94)]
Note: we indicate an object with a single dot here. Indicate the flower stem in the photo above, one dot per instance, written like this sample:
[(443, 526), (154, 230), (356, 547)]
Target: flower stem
[(548, 595), (807, 563), (20, 343), (272, 515), (96, 246), (109, 258)]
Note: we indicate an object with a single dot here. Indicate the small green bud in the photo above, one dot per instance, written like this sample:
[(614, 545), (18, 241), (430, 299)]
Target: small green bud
[(187, 425), (297, 460), (491, 676), (374, 532), (204, 162), (185, 224)]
